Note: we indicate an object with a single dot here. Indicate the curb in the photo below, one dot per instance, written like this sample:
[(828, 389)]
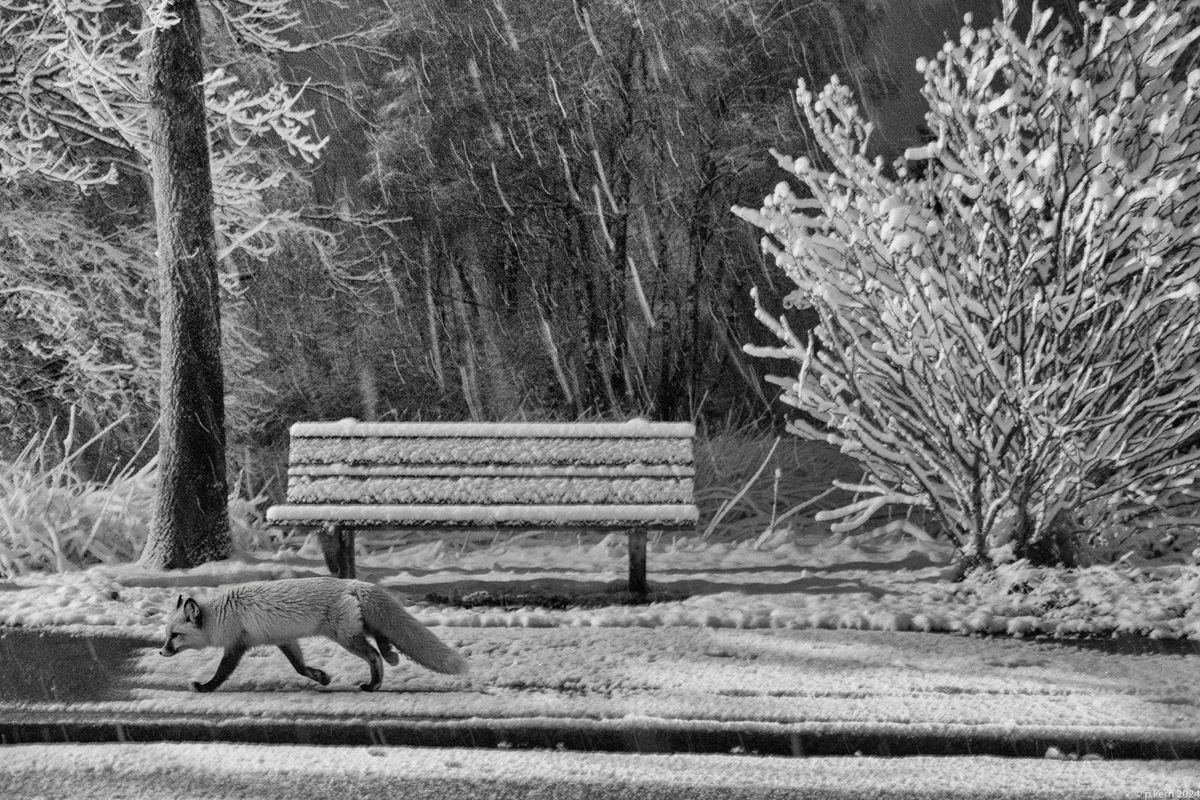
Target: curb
[(593, 735)]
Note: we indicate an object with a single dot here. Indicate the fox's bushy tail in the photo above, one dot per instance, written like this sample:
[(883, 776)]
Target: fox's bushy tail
[(382, 614)]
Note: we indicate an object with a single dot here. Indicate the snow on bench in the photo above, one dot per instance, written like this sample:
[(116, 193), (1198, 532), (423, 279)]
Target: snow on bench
[(635, 476)]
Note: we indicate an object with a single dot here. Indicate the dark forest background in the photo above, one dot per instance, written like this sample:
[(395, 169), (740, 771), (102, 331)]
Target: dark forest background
[(522, 212)]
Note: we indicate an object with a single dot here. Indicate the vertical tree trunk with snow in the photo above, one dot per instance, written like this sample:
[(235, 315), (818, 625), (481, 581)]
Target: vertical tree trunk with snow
[(191, 523)]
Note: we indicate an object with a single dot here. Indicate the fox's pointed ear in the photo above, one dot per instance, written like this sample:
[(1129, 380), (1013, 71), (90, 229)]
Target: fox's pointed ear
[(191, 611)]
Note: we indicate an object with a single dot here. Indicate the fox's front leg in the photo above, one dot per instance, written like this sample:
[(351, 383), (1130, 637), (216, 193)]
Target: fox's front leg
[(296, 658), (228, 664)]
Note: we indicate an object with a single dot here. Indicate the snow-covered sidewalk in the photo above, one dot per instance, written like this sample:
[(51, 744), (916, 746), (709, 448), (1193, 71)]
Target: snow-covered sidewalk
[(654, 689)]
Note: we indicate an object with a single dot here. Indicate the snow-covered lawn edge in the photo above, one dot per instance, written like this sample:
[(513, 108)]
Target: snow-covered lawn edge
[(894, 582), (1156, 602)]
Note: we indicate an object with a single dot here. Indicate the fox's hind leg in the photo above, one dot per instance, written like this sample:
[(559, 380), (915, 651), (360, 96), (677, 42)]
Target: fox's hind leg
[(376, 605), (386, 649), (359, 646), (296, 658)]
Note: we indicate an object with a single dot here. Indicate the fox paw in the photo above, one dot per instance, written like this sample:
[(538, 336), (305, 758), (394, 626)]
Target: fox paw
[(197, 686), (368, 687), (319, 675)]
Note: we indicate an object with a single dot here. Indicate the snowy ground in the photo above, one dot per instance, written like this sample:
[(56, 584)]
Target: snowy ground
[(750, 652), (297, 773)]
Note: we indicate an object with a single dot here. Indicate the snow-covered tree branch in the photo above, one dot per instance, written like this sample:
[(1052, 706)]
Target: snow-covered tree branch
[(1008, 320), (72, 109)]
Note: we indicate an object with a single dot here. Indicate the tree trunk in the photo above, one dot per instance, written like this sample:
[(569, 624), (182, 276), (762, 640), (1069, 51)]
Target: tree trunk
[(191, 522)]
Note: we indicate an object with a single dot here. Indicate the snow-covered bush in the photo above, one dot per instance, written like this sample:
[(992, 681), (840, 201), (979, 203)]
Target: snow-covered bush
[(1009, 320)]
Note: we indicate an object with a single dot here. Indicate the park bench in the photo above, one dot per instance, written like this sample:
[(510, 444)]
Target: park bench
[(348, 475)]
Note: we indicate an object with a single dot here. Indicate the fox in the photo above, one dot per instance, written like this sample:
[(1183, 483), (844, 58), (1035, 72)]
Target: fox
[(281, 612)]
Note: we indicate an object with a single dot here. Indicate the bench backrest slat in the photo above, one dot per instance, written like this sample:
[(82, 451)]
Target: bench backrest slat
[(494, 471), (463, 451), (633, 429)]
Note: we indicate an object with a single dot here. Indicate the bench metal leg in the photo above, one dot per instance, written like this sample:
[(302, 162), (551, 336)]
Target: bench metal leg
[(337, 545), (637, 563)]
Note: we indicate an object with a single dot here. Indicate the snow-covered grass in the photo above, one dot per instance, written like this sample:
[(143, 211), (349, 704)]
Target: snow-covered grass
[(51, 519)]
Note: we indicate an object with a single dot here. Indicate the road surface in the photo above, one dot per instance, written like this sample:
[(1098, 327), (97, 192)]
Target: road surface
[(190, 771)]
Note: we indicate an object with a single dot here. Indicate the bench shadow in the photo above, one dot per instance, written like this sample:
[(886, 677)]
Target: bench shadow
[(52, 666)]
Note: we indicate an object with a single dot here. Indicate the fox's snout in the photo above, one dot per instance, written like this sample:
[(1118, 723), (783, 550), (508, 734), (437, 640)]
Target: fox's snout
[(167, 650)]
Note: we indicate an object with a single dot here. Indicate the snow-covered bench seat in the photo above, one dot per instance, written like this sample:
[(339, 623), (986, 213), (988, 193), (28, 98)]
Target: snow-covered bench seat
[(635, 476)]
